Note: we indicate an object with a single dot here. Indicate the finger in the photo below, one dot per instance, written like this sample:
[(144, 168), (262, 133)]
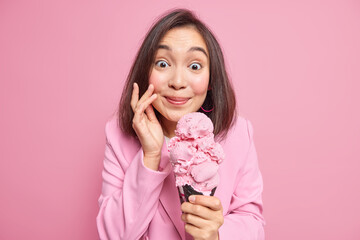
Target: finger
[(139, 110), (194, 220), (198, 210), (151, 113), (194, 231), (147, 103), (134, 96), (207, 201), (146, 95)]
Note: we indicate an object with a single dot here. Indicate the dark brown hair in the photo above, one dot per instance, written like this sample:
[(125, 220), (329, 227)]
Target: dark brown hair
[(220, 96)]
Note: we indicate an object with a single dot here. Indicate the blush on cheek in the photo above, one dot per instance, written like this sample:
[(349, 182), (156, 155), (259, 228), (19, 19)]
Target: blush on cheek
[(200, 84), (156, 80)]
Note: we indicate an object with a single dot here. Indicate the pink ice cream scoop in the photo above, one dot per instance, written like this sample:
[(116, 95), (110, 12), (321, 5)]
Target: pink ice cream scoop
[(195, 156)]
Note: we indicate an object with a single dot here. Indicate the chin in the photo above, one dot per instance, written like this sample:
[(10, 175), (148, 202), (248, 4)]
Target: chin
[(175, 117)]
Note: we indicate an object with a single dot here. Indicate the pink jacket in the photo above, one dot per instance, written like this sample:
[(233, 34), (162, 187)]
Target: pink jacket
[(139, 203)]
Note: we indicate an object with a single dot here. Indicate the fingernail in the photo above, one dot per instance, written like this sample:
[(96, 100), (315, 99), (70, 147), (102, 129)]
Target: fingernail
[(192, 198)]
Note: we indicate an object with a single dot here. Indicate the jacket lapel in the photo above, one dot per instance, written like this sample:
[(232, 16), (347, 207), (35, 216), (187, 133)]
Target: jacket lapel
[(169, 196)]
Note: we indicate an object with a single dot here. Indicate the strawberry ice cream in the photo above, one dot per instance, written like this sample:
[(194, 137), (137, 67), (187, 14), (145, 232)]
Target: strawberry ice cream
[(195, 156)]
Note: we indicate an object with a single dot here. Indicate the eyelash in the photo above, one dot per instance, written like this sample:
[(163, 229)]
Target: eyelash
[(195, 64), (161, 61), (167, 65)]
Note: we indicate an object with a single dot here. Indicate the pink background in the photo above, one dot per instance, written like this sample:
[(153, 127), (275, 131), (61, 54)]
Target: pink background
[(296, 70)]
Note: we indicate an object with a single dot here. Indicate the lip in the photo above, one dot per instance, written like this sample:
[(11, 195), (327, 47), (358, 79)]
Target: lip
[(177, 100)]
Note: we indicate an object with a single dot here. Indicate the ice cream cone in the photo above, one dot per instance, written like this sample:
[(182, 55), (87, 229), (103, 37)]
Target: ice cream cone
[(195, 156), (186, 191)]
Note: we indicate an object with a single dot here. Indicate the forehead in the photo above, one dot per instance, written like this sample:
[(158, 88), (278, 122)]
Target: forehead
[(183, 37)]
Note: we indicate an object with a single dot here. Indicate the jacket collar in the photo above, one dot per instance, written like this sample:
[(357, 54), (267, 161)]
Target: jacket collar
[(169, 196)]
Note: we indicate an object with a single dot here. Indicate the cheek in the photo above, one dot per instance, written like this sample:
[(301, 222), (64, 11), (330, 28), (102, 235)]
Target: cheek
[(200, 84), (157, 80)]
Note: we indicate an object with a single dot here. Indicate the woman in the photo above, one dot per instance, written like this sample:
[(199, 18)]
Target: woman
[(179, 69)]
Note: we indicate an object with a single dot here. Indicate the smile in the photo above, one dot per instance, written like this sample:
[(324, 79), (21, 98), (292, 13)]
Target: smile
[(177, 100)]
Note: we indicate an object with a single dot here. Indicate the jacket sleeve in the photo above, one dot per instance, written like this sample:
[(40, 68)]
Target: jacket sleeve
[(244, 219), (130, 193)]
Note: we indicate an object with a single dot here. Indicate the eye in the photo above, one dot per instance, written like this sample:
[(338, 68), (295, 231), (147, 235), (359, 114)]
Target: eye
[(195, 66), (162, 64)]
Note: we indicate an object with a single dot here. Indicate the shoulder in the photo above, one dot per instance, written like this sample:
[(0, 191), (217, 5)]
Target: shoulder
[(118, 140), (238, 142), (112, 129), (239, 149), (241, 130), (112, 123)]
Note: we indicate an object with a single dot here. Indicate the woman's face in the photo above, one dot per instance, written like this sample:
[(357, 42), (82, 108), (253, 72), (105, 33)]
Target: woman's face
[(180, 74)]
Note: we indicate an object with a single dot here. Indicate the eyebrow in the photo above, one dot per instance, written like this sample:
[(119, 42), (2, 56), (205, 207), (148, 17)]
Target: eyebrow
[(192, 49)]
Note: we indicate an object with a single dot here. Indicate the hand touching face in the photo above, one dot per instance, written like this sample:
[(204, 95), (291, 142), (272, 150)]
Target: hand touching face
[(146, 126)]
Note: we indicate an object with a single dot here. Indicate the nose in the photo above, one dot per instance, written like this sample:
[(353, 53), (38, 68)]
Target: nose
[(178, 80)]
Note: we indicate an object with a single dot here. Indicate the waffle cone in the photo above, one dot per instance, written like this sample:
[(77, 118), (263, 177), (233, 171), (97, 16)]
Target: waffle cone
[(187, 190)]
